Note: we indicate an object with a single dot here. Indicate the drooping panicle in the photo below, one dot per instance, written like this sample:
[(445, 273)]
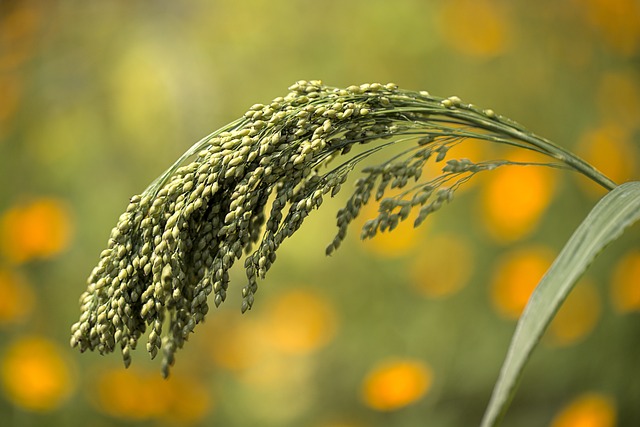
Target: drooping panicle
[(241, 191)]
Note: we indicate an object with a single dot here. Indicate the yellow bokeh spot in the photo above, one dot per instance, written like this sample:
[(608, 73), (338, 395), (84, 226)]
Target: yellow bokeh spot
[(39, 229), (475, 27), (394, 384), (610, 150), (138, 395), (618, 21), (516, 276), (16, 298), (515, 197), (577, 316), (126, 394), (587, 410), (35, 374), (300, 321), (443, 267), (189, 403), (625, 283)]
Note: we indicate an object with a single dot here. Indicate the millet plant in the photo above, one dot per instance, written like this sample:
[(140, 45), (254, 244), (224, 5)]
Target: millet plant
[(238, 193)]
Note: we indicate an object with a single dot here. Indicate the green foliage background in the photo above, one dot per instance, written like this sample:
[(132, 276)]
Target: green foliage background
[(98, 98)]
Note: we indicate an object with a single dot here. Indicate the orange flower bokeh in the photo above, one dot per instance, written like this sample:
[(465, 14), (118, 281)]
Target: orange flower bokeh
[(36, 374), (618, 22), (443, 267), (41, 228), (17, 298), (514, 198), (608, 148), (479, 28), (625, 289), (516, 275), (587, 410), (396, 383), (577, 316), (137, 395), (300, 321)]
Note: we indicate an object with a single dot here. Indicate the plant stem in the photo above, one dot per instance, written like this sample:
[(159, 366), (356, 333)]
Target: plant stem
[(515, 130), (565, 156)]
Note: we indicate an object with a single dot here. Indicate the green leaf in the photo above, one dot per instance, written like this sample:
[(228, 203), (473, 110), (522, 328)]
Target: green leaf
[(609, 218)]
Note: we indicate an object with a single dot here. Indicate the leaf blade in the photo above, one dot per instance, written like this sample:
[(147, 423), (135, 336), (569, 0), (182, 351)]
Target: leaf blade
[(607, 220)]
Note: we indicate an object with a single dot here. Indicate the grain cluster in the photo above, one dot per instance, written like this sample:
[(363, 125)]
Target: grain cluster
[(239, 193)]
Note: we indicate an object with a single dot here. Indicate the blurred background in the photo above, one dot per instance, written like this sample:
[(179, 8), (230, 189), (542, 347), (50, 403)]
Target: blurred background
[(98, 98)]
